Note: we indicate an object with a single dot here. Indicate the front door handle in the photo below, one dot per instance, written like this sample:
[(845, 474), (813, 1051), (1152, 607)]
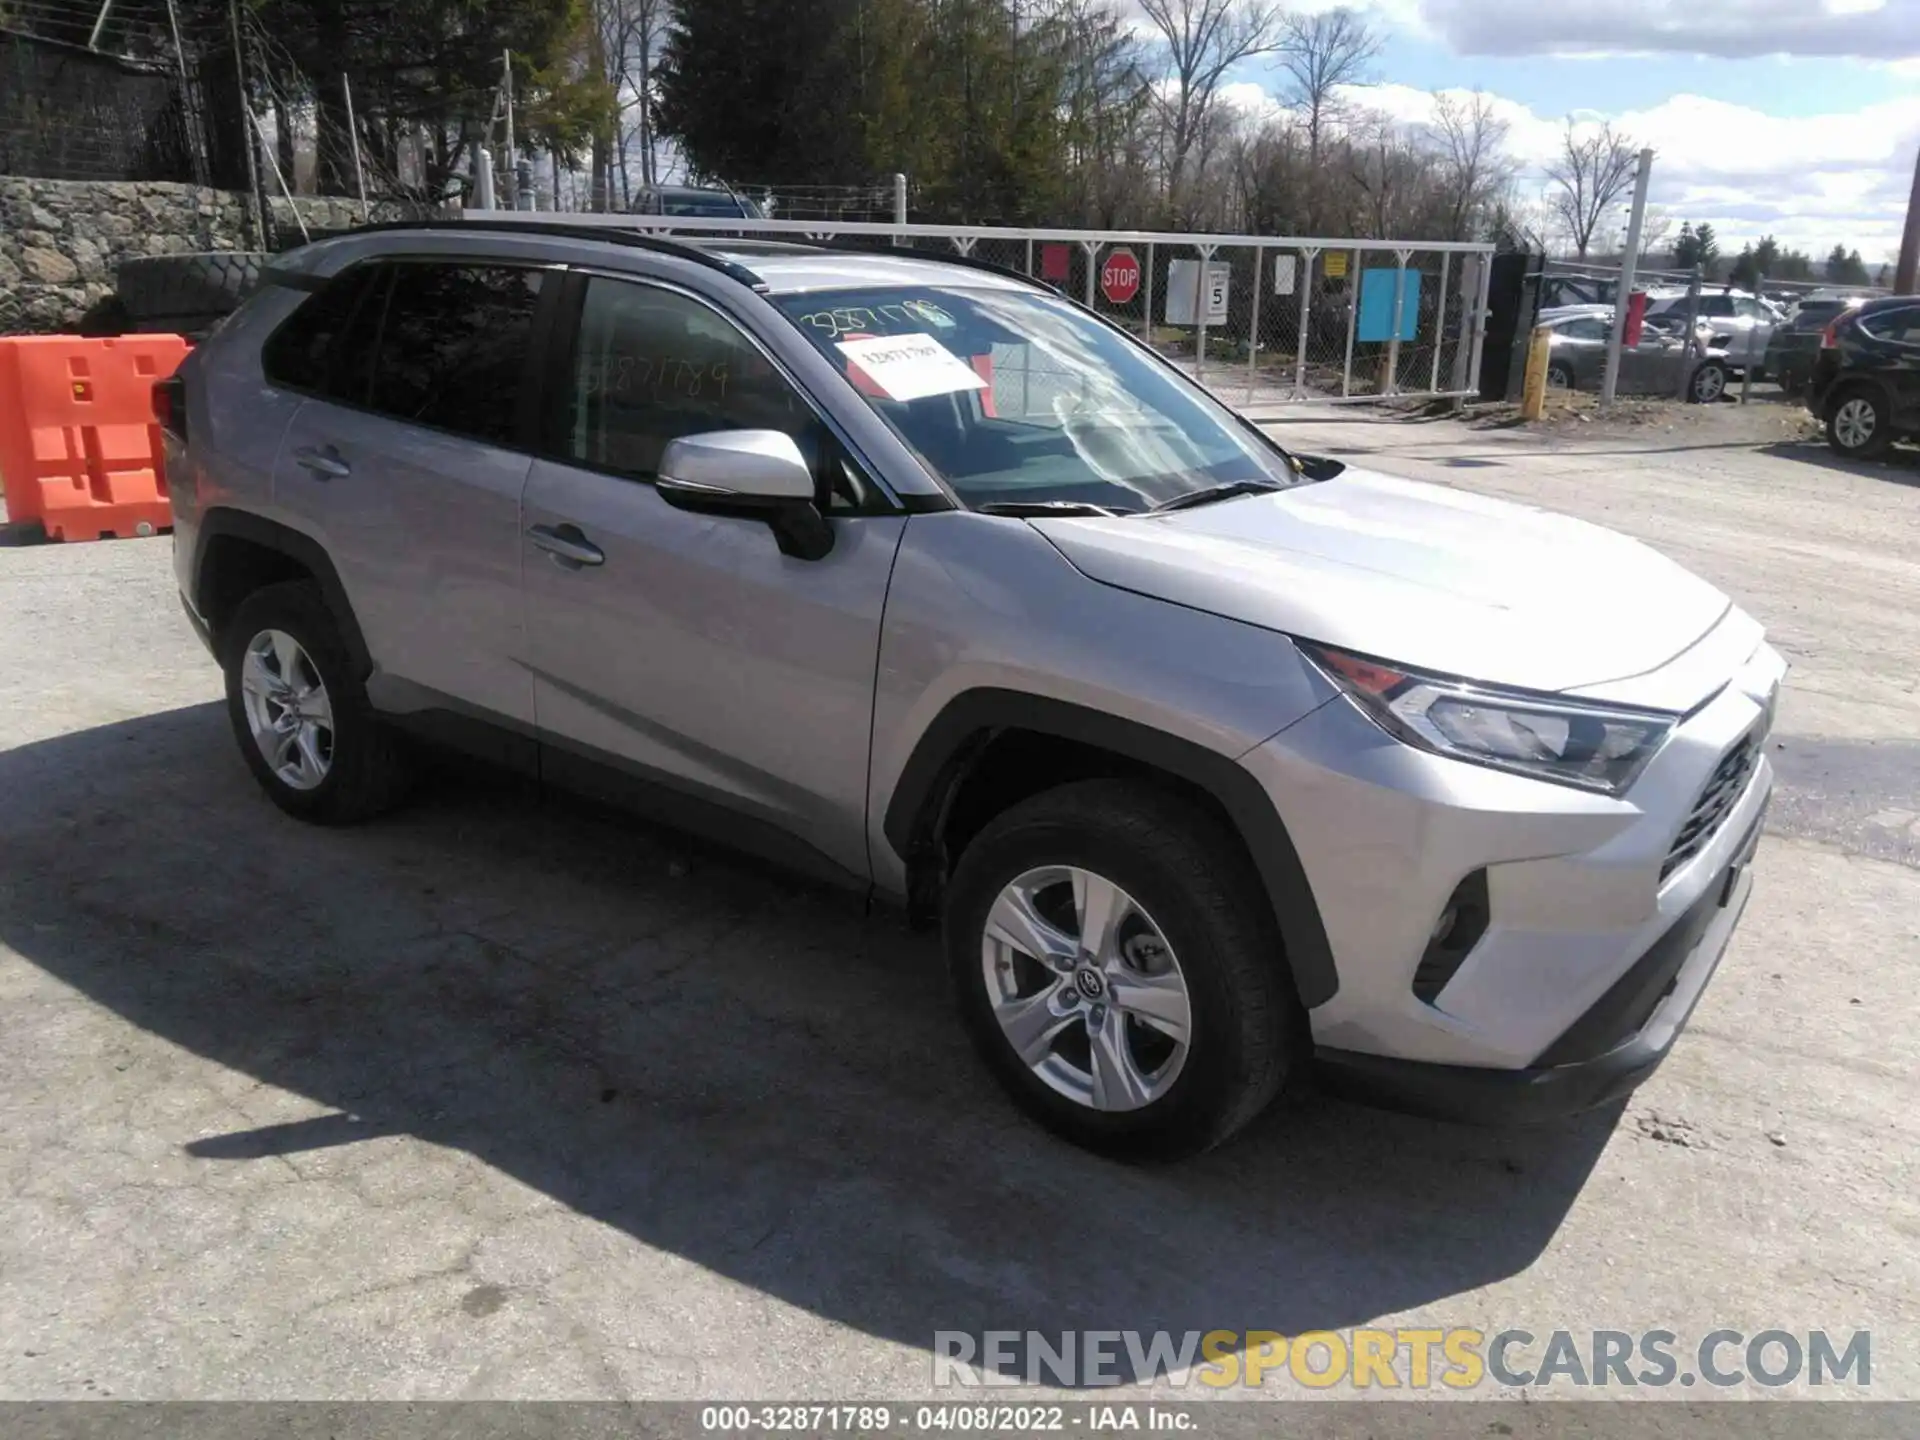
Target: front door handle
[(322, 462), (566, 546)]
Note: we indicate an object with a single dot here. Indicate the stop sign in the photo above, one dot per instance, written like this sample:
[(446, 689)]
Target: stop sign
[(1120, 277)]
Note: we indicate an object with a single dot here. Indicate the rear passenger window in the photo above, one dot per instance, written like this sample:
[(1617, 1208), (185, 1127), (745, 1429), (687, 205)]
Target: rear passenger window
[(454, 346), (298, 355), (1902, 324)]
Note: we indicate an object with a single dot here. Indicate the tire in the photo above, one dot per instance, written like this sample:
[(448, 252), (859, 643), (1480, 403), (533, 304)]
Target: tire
[(1859, 423), (365, 770), (1708, 384), (185, 293), (1190, 902), (1559, 377)]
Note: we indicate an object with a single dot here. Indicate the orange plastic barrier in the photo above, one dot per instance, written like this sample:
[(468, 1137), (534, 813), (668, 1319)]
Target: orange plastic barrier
[(80, 451)]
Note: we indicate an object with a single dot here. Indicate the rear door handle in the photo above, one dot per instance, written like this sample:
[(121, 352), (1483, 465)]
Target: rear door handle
[(322, 462), (566, 546)]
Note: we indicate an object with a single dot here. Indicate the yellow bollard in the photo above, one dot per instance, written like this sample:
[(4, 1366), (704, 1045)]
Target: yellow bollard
[(1533, 398)]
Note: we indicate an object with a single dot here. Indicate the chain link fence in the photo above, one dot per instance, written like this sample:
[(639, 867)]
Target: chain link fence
[(1261, 322)]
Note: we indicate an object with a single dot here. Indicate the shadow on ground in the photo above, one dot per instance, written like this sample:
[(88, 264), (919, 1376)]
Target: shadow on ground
[(722, 1064), (1900, 464)]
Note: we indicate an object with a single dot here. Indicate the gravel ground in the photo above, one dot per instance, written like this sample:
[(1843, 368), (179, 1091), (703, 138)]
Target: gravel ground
[(1575, 417), (504, 1099)]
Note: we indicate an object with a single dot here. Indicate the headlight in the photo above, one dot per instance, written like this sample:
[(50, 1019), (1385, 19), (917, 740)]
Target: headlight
[(1570, 742)]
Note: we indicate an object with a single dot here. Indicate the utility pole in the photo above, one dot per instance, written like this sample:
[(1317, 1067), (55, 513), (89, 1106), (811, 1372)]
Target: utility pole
[(256, 192), (513, 155), (353, 134), (1628, 262), (99, 24), (1905, 280)]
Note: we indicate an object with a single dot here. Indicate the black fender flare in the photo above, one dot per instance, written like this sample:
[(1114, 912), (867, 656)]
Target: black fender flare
[(947, 747), (308, 552), (1847, 381)]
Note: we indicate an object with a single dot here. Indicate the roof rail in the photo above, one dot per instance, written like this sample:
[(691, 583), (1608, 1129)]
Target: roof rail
[(632, 239)]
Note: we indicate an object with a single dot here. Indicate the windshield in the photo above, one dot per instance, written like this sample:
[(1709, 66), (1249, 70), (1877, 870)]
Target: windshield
[(1018, 399)]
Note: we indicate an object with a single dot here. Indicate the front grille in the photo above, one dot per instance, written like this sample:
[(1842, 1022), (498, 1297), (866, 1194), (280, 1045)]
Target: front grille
[(1716, 802)]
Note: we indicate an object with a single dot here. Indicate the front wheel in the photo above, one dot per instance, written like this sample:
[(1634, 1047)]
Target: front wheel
[(1559, 377), (1858, 425), (1118, 969), (1709, 383)]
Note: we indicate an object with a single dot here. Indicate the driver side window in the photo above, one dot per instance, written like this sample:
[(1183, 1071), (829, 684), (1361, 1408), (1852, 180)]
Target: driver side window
[(652, 365)]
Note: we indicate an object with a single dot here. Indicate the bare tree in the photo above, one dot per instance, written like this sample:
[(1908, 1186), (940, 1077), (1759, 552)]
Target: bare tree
[(1204, 39), (1478, 172), (1320, 53), (1588, 178), (1109, 116), (1514, 224)]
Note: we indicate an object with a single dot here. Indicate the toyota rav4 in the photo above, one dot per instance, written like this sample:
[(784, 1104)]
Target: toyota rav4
[(1219, 766)]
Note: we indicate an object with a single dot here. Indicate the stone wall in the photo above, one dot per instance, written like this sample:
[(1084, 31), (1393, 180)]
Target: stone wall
[(60, 240)]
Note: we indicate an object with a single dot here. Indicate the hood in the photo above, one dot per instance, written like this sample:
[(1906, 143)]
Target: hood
[(1437, 579)]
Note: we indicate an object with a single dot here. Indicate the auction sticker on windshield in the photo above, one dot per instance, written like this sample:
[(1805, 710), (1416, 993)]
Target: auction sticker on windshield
[(910, 367)]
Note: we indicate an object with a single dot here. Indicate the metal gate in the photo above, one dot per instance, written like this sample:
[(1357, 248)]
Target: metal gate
[(1262, 320)]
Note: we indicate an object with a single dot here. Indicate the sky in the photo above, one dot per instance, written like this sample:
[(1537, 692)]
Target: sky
[(1794, 118)]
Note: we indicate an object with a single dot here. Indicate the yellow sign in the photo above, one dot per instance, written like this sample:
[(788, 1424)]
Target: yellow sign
[(1334, 263)]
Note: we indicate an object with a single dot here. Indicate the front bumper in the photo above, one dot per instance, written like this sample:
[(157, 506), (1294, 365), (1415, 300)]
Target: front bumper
[(1593, 905), (1655, 997)]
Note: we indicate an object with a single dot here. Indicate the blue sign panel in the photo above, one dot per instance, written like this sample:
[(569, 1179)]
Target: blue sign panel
[(1376, 304)]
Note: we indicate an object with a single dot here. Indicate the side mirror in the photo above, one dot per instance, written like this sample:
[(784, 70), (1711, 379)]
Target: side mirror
[(753, 474)]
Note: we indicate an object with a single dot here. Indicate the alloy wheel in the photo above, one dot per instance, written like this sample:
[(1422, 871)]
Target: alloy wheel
[(1086, 988), (1708, 383), (288, 709), (1854, 423)]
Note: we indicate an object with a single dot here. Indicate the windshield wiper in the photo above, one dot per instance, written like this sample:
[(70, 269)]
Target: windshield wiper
[(1044, 507), (1217, 492)]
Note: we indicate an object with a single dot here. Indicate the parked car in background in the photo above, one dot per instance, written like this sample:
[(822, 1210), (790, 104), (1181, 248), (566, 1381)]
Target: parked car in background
[(1866, 377), (1742, 323), (1578, 359), (697, 202), (1558, 292), (1794, 347)]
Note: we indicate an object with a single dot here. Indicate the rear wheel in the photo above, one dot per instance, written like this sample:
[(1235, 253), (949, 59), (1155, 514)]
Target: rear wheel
[(1709, 383), (1118, 970), (301, 714), (1858, 424), (1559, 377)]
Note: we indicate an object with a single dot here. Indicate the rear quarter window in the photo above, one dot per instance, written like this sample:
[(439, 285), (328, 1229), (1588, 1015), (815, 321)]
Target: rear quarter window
[(454, 345), (299, 355)]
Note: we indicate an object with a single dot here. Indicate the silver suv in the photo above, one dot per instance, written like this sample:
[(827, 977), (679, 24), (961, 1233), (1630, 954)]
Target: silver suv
[(1220, 766)]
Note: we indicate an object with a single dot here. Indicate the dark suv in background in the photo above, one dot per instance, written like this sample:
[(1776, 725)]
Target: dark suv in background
[(1793, 351), (1866, 380)]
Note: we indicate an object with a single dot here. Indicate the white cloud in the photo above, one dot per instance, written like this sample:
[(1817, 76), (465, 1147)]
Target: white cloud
[(1810, 181), (1253, 100), (1866, 29)]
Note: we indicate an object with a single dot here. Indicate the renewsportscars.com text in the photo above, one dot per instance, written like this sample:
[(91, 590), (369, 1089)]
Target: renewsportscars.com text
[(1416, 1359)]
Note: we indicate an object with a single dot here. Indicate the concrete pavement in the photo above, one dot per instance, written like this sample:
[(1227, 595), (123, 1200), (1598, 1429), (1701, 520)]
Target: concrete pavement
[(501, 1098)]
